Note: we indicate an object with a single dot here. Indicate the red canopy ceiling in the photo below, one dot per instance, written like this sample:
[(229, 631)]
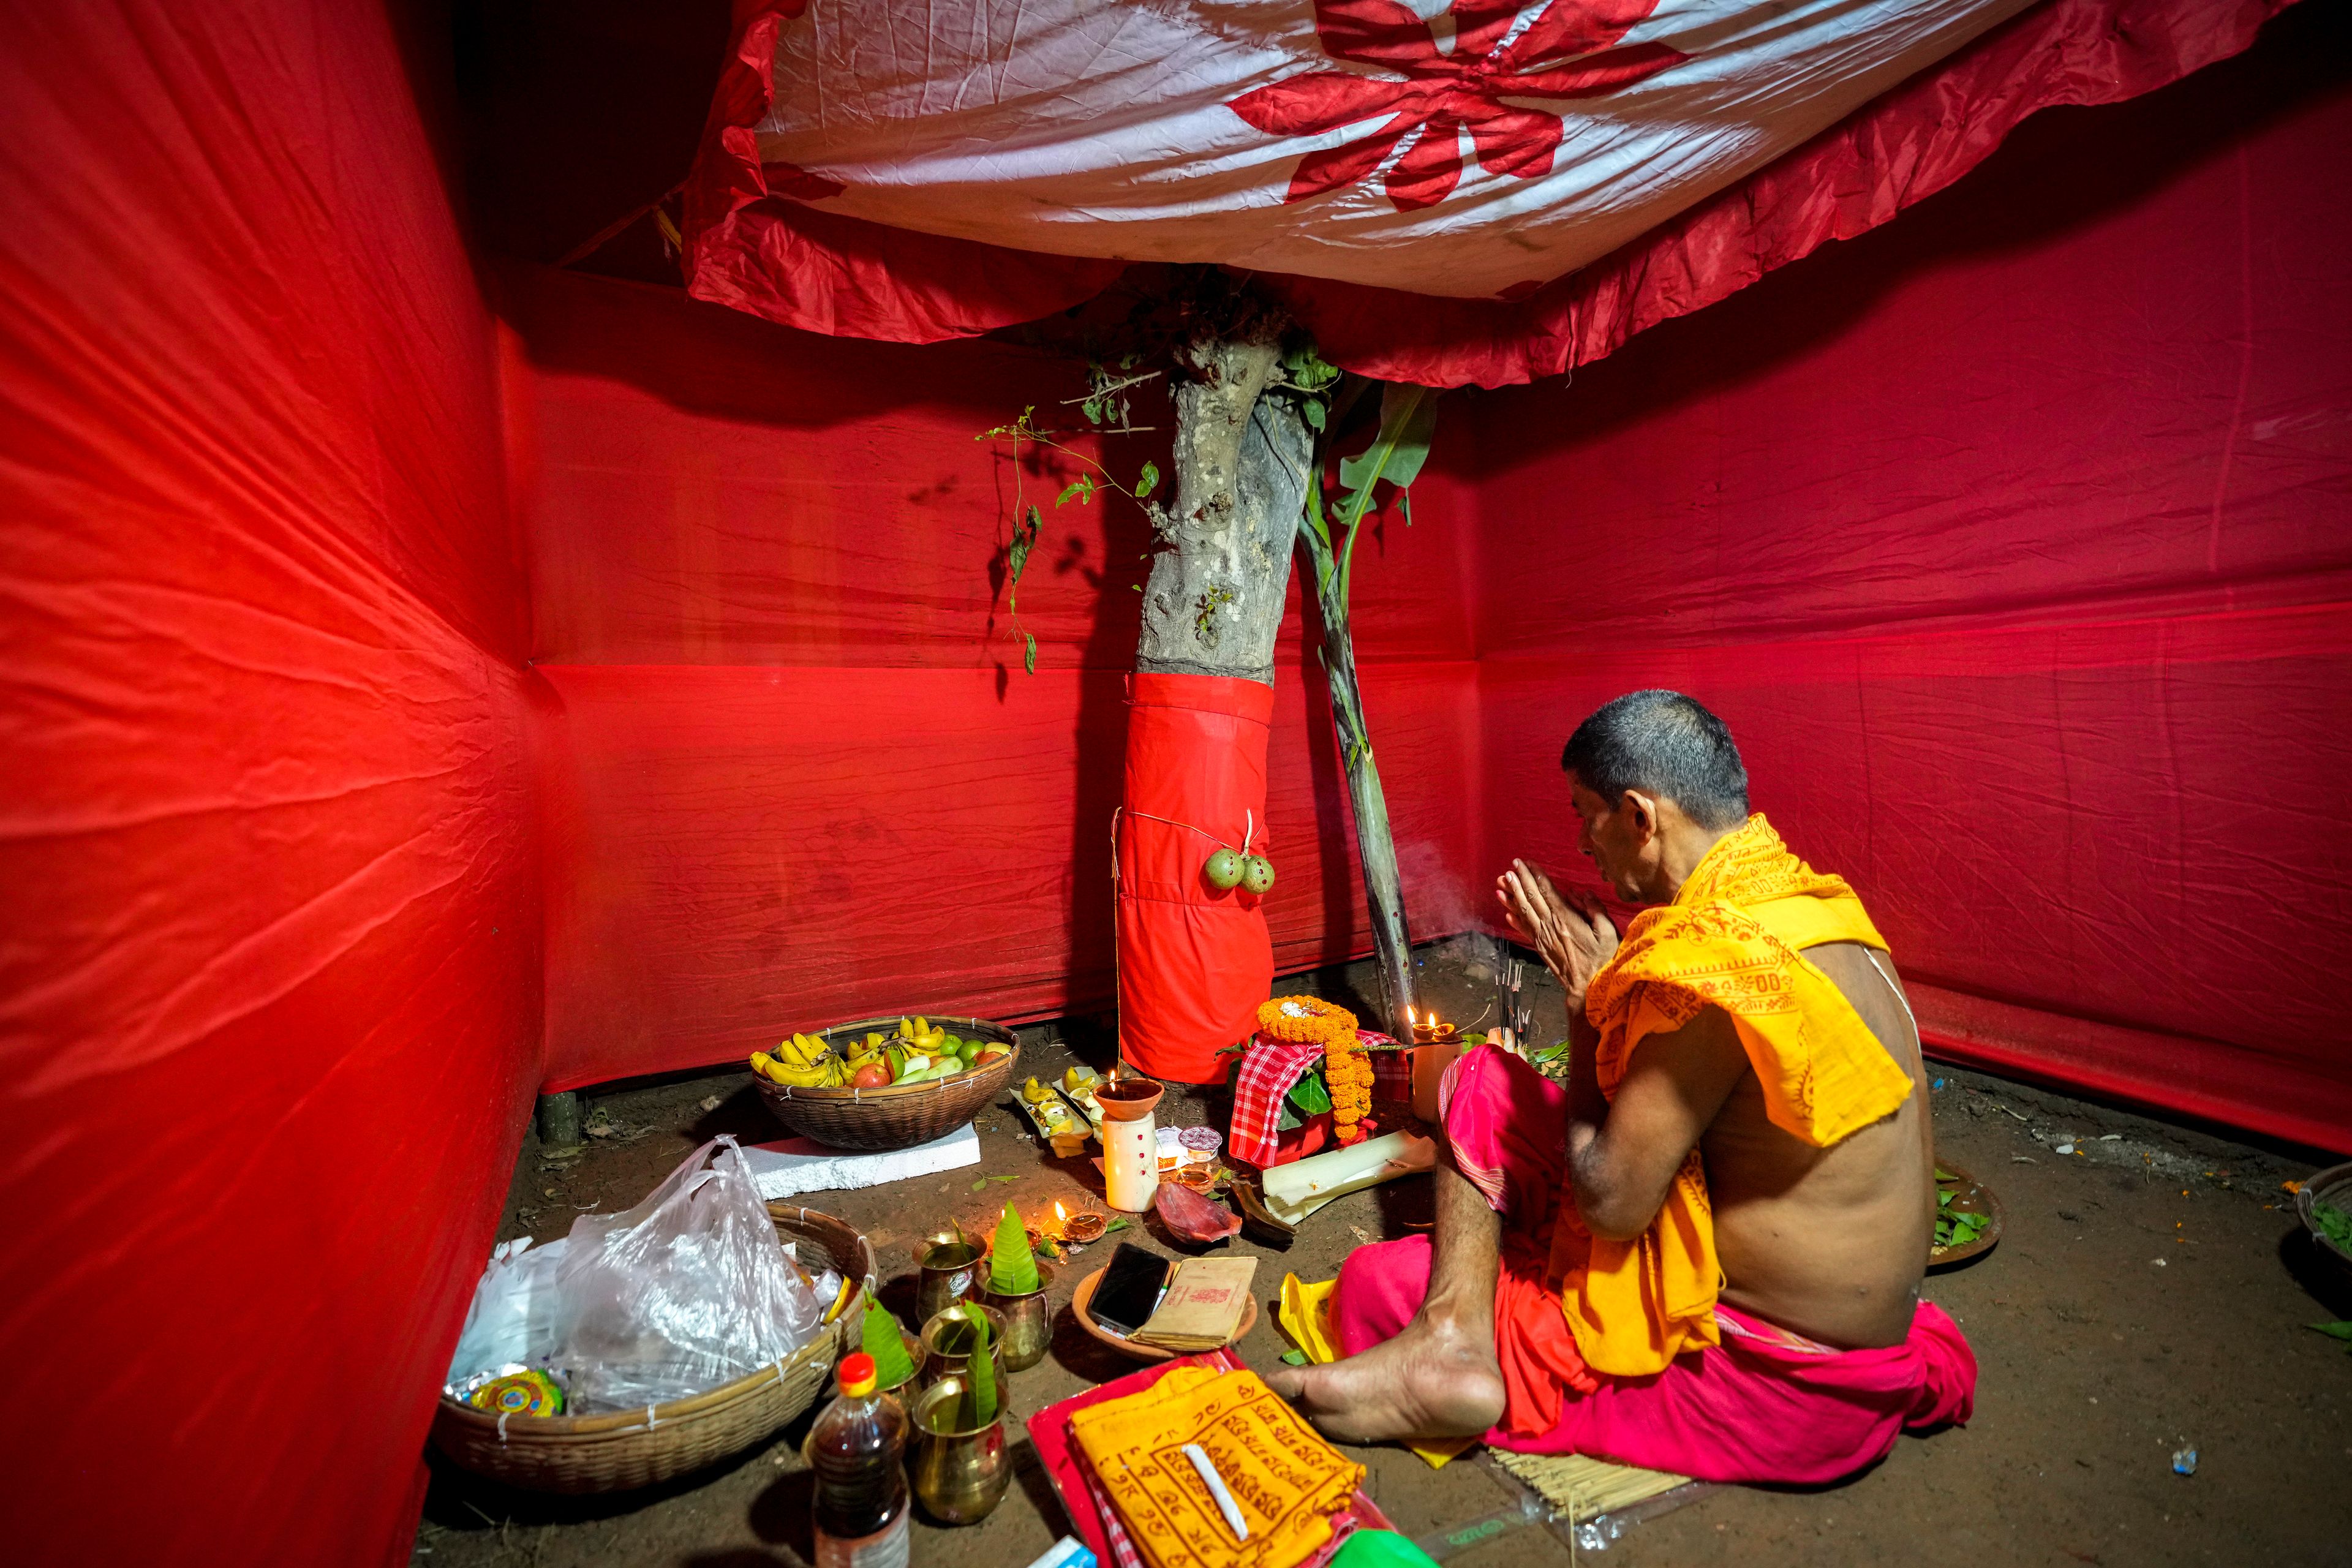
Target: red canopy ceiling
[(910, 253)]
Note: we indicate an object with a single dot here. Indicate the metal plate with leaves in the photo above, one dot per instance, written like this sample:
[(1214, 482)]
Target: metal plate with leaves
[(1968, 1217)]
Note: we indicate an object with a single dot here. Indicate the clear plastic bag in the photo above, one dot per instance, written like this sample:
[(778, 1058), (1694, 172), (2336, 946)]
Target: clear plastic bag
[(512, 1319), (685, 1292)]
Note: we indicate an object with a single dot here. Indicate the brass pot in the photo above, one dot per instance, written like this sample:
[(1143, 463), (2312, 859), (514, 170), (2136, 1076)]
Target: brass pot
[(939, 1363), (1028, 1322), (951, 1271), (958, 1475)]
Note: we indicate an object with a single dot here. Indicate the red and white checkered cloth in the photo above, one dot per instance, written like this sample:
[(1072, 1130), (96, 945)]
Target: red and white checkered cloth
[(1268, 1069)]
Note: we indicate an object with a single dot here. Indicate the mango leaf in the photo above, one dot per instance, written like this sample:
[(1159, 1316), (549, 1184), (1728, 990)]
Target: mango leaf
[(1029, 653), (1293, 1357), (980, 1373), (881, 1340), (1309, 1096), (1093, 410), (2338, 1331), (1012, 1267), (1147, 481), (1944, 1176), (1286, 1120)]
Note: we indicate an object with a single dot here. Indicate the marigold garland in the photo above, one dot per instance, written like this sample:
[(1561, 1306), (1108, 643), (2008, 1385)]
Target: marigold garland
[(1304, 1021), (1346, 1066)]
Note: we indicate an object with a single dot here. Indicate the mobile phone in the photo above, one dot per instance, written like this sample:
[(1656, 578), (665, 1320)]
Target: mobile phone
[(1129, 1291)]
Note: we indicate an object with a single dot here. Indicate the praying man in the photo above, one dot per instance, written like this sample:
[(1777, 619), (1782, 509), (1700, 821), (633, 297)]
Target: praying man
[(1702, 1253)]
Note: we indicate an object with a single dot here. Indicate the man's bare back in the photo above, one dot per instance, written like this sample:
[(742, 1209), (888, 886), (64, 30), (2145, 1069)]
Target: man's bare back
[(1831, 1243)]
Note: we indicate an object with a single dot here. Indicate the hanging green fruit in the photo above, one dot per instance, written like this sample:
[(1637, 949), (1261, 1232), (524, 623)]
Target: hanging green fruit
[(1257, 874), (1225, 871)]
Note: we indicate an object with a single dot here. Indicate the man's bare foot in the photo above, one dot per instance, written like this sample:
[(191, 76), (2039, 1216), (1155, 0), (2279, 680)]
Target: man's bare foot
[(1435, 1380)]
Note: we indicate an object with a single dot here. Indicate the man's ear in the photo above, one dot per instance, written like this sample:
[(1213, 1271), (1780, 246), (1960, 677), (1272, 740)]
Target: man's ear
[(1642, 814)]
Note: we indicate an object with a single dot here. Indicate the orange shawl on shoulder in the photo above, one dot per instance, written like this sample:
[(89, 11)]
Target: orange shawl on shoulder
[(1729, 939)]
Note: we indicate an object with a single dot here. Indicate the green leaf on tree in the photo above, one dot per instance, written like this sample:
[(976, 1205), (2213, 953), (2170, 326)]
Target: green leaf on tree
[(1147, 481), (1025, 539), (1093, 410), (883, 1342), (1012, 1267)]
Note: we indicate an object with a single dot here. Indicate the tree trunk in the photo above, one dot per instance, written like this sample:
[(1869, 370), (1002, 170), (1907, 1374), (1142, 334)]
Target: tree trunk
[(1213, 603), (1375, 845)]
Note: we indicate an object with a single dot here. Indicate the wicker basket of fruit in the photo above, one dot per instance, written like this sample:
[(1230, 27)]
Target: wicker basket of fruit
[(885, 1083)]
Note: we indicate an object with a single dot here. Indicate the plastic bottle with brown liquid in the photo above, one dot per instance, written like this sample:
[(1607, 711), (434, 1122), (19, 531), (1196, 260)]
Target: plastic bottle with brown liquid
[(858, 1447)]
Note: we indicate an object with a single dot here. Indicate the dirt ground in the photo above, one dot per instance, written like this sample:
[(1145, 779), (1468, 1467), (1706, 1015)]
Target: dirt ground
[(2151, 1293)]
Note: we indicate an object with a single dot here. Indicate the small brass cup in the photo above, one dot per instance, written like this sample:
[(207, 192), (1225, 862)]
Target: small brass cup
[(959, 1474), (951, 1271), (942, 1364), (1028, 1322)]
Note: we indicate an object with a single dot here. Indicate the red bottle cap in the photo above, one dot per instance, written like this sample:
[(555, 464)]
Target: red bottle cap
[(858, 1377)]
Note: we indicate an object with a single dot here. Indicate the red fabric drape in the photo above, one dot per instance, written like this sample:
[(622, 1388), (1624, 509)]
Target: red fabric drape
[(270, 964), (1193, 962), (2009, 540), (753, 247), (792, 768)]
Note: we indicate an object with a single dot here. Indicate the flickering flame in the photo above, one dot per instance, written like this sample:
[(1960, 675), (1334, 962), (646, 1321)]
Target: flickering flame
[(1411, 1017), (1060, 1214)]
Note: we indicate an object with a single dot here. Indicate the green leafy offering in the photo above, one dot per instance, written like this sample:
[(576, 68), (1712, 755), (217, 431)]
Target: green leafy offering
[(1309, 1096), (1293, 1357), (2334, 1222), (2339, 1330), (1012, 1267), (980, 1374), (886, 1345), (1958, 1229)]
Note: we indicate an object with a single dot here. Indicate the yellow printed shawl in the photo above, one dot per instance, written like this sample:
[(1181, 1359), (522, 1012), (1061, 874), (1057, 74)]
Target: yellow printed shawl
[(1730, 939), (1288, 1483)]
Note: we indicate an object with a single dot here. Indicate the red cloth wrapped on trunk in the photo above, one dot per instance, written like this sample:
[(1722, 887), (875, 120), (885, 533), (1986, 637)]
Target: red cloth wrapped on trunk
[(1193, 962)]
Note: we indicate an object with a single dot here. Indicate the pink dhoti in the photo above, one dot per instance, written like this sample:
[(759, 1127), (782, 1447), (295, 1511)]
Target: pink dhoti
[(1766, 1405)]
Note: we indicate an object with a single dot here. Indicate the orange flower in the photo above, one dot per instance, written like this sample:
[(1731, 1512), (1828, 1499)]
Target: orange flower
[(1305, 1020)]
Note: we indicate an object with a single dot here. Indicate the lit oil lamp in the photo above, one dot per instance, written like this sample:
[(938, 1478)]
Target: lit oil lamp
[(1431, 1030), (1077, 1229)]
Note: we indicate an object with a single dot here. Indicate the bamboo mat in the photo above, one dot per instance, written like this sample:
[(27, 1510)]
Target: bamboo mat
[(1585, 1488)]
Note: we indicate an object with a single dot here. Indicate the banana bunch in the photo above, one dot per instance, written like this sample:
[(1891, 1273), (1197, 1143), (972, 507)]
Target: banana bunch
[(919, 1051), (805, 1062)]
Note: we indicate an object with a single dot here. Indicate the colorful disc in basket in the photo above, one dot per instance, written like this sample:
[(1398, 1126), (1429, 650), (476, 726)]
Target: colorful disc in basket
[(521, 1394)]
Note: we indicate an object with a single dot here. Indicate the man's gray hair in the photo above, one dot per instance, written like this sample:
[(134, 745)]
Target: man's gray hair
[(1661, 744)]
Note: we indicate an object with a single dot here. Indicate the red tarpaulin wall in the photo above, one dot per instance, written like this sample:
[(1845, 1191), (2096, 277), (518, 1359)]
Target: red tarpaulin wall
[(2011, 542), (2010, 539), (792, 777), (269, 970)]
